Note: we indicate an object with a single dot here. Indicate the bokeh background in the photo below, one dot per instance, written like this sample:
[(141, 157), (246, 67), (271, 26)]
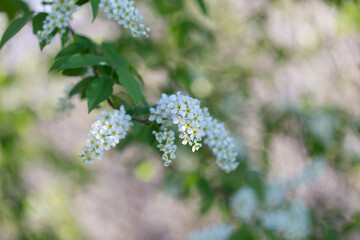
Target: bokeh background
[(284, 76)]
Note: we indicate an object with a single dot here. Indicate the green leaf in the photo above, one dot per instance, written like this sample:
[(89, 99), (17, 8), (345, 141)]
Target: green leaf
[(95, 7), (37, 22), (202, 6), (64, 38), (98, 91), (58, 63), (79, 45), (206, 194), (130, 84), (76, 61), (124, 68), (14, 27), (81, 86), (81, 2), (74, 71), (13, 7)]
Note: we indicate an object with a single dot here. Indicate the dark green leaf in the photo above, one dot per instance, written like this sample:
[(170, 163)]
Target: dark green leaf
[(202, 6), (130, 84), (98, 91), (81, 86), (74, 71), (13, 7), (81, 2), (37, 22), (112, 56), (14, 27), (242, 233), (95, 7)]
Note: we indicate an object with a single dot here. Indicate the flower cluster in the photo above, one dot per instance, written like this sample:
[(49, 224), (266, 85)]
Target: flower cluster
[(106, 132), (194, 123), (126, 14), (56, 20), (292, 222), (288, 217), (215, 232), (221, 144), (166, 144)]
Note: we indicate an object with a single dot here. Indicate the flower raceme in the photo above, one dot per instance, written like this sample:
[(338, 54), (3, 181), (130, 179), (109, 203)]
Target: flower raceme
[(106, 132), (126, 14), (194, 123), (56, 20)]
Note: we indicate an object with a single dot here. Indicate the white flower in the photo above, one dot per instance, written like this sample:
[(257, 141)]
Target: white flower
[(126, 14), (106, 132), (215, 232), (61, 13), (243, 203)]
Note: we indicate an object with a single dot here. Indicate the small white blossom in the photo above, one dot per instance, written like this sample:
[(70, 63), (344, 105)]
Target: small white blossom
[(126, 14), (244, 203), (106, 132), (61, 13), (215, 232)]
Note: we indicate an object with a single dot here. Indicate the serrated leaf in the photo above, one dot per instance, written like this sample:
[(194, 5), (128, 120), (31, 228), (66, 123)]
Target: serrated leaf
[(37, 22), (98, 91), (95, 7), (81, 86), (14, 27), (202, 6)]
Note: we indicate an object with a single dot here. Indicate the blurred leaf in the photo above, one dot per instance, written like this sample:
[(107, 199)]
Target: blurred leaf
[(14, 27), (94, 7), (81, 86), (202, 6), (242, 233), (206, 194), (98, 91), (145, 171), (13, 7)]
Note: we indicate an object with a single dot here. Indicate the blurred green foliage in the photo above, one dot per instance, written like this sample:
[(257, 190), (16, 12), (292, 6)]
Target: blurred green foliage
[(187, 51)]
